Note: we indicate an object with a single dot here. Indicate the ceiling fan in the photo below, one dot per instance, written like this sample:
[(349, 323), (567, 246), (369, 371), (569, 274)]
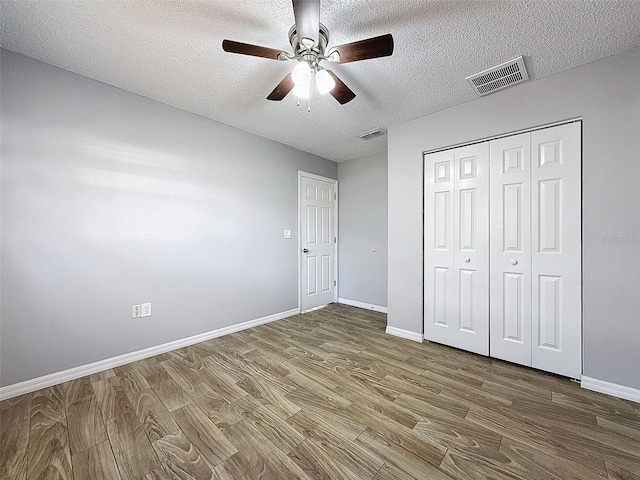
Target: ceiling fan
[(309, 39)]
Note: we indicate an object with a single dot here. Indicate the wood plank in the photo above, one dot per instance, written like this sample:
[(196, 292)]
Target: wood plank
[(220, 473), (426, 403), (317, 463), (103, 375), (131, 447), (14, 439), (353, 456), (49, 455), (111, 397), (240, 466), (404, 437), (619, 429), (181, 458), (453, 432), (316, 388), (516, 426), (400, 457), (132, 380), (85, 424), (76, 390), (158, 474), (95, 463), (204, 435), (169, 392), (389, 472), (260, 451), (337, 417), (276, 430), (153, 415), (615, 472), (272, 395), (213, 405)]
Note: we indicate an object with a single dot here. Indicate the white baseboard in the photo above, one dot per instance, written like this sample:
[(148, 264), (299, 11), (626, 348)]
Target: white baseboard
[(367, 306), (45, 381), (399, 332), (609, 388)]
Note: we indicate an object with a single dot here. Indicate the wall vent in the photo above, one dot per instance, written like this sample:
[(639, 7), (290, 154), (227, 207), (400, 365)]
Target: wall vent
[(499, 77), (369, 134)]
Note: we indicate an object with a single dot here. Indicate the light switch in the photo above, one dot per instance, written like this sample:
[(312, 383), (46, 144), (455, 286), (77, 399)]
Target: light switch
[(287, 234)]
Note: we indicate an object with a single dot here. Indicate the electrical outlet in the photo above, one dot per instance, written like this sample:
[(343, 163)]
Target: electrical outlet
[(287, 234), (146, 310), (136, 311)]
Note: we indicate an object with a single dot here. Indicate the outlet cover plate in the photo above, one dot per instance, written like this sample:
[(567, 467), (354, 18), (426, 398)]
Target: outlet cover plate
[(146, 310), (136, 311)]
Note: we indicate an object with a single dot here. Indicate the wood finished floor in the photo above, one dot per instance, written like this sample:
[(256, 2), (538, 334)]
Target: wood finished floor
[(326, 394)]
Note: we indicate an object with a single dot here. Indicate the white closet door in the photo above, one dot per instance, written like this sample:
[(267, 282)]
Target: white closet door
[(470, 299), (510, 249), (438, 246), (556, 249)]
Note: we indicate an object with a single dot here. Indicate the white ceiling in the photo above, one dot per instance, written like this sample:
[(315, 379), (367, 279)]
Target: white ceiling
[(171, 51)]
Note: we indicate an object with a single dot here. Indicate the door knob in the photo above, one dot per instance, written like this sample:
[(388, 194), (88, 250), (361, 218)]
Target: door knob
[(305, 250), (514, 261), (467, 259)]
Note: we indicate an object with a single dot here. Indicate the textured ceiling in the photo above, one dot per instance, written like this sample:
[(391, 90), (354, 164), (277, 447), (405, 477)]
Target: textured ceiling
[(171, 51)]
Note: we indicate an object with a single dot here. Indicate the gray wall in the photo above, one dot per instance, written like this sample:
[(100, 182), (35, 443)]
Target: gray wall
[(363, 227), (110, 199), (606, 94)]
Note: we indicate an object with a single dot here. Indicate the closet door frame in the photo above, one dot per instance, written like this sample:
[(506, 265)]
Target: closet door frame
[(555, 319)]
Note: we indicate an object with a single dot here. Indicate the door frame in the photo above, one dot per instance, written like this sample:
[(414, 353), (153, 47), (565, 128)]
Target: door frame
[(335, 230)]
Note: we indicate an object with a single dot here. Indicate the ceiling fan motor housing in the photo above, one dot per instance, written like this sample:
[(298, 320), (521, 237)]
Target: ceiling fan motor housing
[(302, 52)]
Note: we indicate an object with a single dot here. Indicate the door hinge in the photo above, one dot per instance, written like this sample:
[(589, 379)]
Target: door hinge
[(335, 239), (334, 283), (335, 195)]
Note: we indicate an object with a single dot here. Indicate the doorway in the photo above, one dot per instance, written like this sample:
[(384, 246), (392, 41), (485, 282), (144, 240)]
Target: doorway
[(318, 240)]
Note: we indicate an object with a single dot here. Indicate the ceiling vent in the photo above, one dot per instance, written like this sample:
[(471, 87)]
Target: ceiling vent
[(499, 77), (369, 134)]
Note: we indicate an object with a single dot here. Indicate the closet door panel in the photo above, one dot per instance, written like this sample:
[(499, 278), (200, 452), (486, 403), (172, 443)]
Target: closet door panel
[(556, 250), (510, 257), (471, 245), (439, 322)]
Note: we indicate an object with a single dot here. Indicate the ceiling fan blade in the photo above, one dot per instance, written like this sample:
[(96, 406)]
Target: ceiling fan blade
[(307, 16), (341, 92), (375, 47), (248, 49), (283, 88)]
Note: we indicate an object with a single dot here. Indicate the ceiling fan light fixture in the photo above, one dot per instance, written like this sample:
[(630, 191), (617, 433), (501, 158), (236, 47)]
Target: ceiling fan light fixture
[(301, 73), (302, 90), (324, 82)]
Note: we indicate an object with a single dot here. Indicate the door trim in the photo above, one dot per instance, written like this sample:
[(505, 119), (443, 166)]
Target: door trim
[(335, 229), (503, 135)]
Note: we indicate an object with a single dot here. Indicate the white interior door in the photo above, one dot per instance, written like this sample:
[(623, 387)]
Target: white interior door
[(456, 282), (439, 321), (510, 257), (318, 240), (471, 240), (556, 249)]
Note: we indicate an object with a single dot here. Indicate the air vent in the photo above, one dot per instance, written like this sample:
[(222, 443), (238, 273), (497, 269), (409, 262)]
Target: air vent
[(369, 134), (499, 77)]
